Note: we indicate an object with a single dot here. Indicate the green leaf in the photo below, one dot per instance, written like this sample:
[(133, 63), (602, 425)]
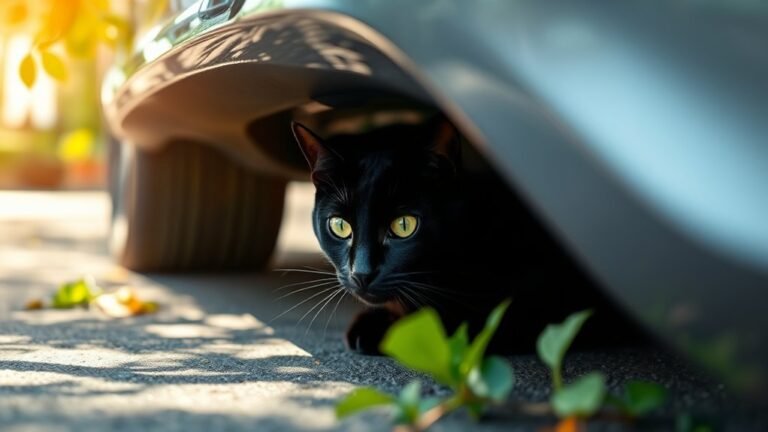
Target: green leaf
[(411, 393), (408, 403), (362, 399), (581, 398), (73, 294), (687, 423), (640, 398), (418, 341), (476, 350), (458, 344), (555, 340), (54, 65), (28, 70), (493, 380)]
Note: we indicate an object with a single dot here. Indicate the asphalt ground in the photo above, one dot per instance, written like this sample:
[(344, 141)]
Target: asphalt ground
[(215, 357)]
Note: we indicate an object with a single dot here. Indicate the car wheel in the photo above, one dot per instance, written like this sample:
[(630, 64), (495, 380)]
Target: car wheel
[(190, 207)]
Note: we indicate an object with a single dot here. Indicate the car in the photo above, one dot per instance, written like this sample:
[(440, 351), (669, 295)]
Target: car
[(636, 131)]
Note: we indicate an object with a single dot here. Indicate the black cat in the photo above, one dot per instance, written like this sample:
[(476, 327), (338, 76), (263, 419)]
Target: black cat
[(406, 224)]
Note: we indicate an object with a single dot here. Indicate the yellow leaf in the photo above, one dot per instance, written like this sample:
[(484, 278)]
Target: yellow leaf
[(54, 66), (116, 31), (77, 145), (28, 70), (102, 6), (16, 14), (57, 22), (84, 35)]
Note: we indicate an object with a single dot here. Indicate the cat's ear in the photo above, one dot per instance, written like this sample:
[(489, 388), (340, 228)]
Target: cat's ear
[(311, 145), (445, 140)]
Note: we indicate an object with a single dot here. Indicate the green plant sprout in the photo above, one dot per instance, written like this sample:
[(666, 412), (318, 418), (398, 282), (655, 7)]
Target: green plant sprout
[(555, 340), (587, 394), (419, 341)]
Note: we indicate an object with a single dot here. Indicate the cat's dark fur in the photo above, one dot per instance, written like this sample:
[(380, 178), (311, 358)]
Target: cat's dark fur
[(475, 243)]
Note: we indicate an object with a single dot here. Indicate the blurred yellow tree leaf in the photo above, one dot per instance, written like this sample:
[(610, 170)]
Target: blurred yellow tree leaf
[(57, 22), (84, 35), (77, 145), (28, 70), (116, 32), (15, 13), (79, 25), (53, 65)]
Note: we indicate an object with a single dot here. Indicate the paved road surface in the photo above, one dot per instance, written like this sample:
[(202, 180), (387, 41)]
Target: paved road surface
[(214, 358)]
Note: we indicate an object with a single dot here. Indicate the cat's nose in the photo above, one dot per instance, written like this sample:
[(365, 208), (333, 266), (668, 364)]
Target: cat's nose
[(361, 280)]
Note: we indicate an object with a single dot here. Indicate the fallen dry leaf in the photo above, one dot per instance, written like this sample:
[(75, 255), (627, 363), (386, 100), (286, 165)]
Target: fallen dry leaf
[(570, 424), (124, 303), (35, 304)]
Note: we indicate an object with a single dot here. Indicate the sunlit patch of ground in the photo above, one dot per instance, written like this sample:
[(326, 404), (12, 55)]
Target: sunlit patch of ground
[(204, 361)]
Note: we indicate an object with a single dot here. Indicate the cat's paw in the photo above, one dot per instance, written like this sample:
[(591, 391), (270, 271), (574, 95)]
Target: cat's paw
[(368, 329)]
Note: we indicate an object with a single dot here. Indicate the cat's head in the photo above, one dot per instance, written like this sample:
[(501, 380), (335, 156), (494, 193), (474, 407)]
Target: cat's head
[(384, 206)]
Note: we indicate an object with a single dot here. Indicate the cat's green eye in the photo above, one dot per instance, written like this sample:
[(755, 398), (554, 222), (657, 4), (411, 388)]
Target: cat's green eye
[(404, 226), (339, 227)]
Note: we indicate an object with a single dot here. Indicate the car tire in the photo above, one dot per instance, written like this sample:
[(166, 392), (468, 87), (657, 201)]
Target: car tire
[(190, 207)]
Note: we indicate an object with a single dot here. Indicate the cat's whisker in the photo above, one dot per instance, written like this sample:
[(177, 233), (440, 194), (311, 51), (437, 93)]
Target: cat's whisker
[(317, 269), (411, 273), (402, 304), (317, 304), (325, 279), (325, 304), (398, 276), (322, 272), (333, 312), (426, 287), (409, 297), (296, 291), (418, 301), (399, 298), (423, 300), (440, 290), (340, 194), (448, 295), (302, 302), (437, 291)]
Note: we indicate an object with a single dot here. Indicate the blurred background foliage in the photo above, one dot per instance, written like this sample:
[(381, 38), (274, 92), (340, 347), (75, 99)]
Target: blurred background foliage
[(53, 54)]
